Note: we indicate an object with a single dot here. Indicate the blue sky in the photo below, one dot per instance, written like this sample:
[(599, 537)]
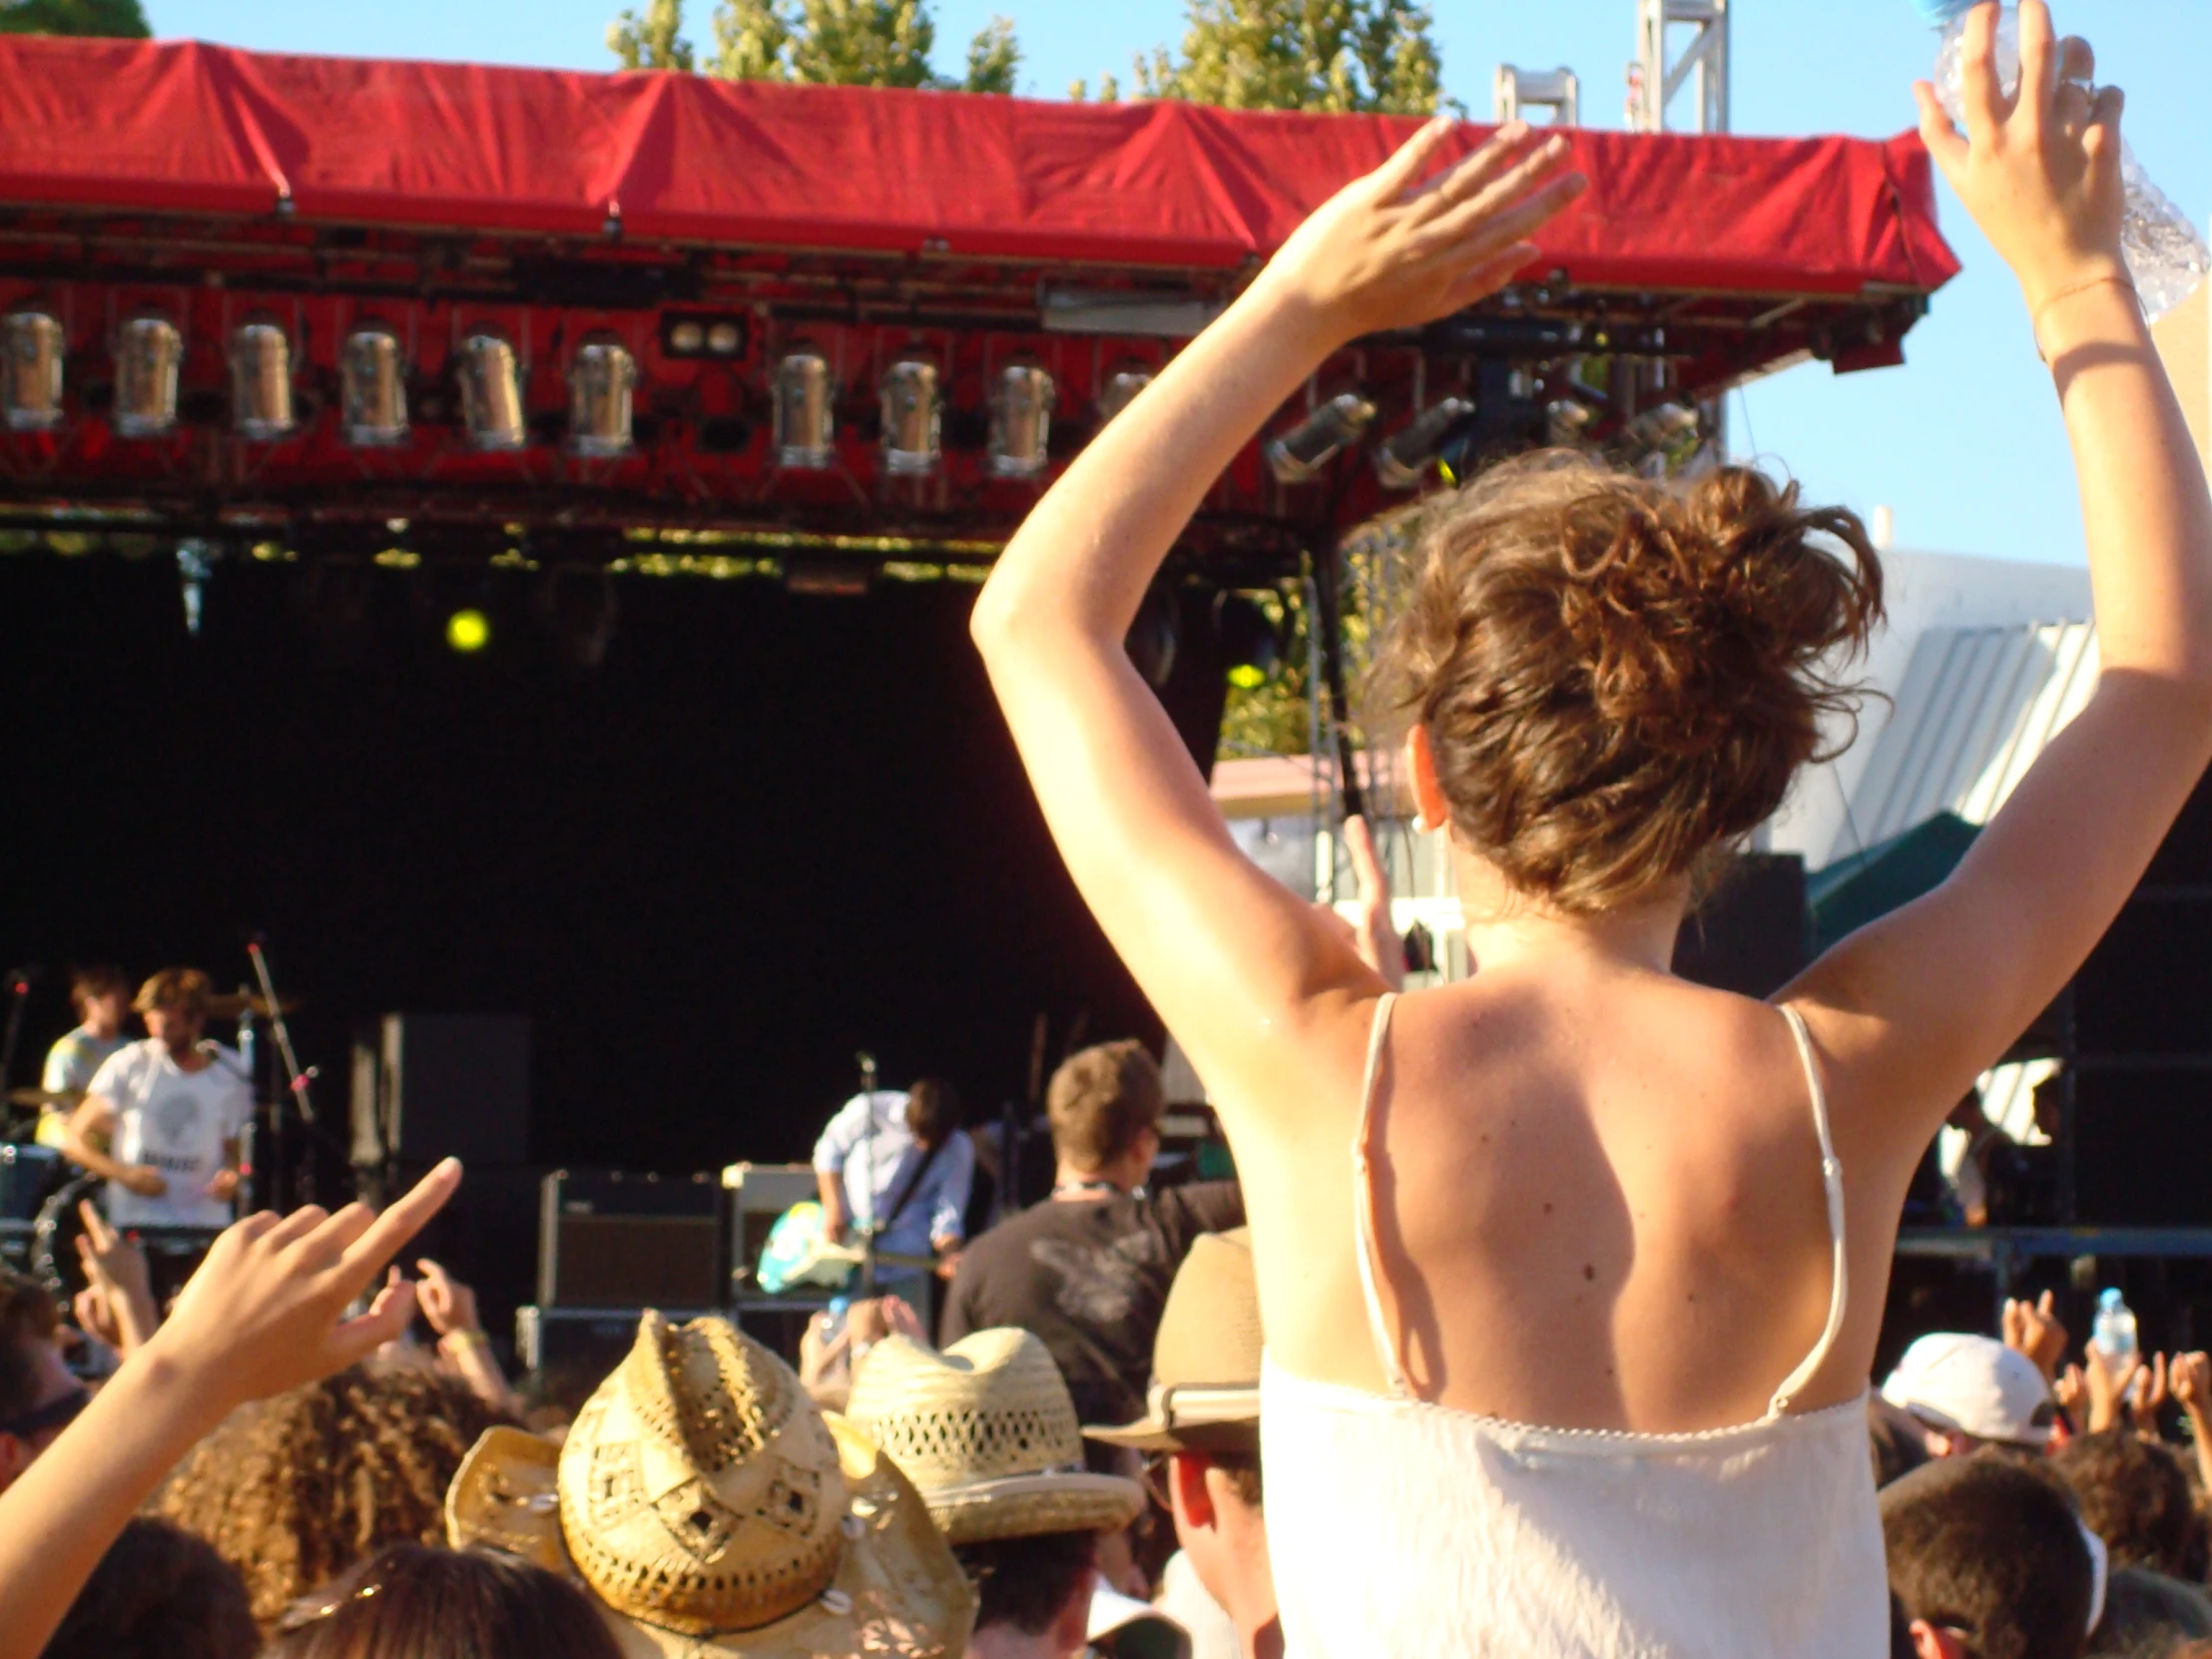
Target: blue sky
[(1964, 442)]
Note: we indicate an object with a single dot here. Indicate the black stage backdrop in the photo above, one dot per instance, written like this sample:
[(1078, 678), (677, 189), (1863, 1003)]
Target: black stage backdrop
[(769, 829)]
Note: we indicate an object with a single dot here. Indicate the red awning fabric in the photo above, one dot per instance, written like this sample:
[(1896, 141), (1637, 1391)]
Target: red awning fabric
[(190, 128)]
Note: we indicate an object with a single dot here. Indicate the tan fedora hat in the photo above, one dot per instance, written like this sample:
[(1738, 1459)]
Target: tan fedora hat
[(988, 1431), (711, 1508), (1205, 1393)]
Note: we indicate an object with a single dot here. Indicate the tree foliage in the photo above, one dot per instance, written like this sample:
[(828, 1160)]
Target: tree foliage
[(1373, 55), (853, 43), (118, 19)]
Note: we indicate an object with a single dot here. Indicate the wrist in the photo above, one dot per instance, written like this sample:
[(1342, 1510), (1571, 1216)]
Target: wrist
[(464, 1338), (1292, 314), (2098, 302)]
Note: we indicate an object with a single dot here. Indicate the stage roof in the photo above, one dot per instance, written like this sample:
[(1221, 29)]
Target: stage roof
[(187, 128)]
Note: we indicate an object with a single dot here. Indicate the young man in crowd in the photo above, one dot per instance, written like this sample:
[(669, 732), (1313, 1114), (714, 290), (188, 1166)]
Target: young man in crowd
[(1990, 1561), (38, 1396), (1088, 1268), (1968, 1391), (168, 1112), (1201, 1435), (101, 996)]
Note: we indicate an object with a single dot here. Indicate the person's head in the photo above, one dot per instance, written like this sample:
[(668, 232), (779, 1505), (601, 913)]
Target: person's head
[(2135, 1494), (38, 1396), (933, 1111), (2149, 1616), (101, 996), (1988, 1560), (299, 1488), (158, 1593), (1036, 1589), (1104, 1106), (411, 1601), (1968, 1391), (1610, 681), (173, 1005)]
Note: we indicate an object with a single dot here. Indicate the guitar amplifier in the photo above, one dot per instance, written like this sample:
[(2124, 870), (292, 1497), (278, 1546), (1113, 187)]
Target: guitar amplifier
[(607, 1239)]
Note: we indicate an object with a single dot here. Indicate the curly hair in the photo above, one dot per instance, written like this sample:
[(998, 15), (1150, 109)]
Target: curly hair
[(412, 1602), (299, 1488), (1619, 677), (157, 1593), (2135, 1494)]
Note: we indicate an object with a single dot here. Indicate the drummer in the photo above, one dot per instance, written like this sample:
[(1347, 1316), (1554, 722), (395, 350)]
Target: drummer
[(172, 1108), (101, 996)]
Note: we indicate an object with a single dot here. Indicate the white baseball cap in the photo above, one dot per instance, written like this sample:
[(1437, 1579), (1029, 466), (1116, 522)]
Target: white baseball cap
[(1963, 1385)]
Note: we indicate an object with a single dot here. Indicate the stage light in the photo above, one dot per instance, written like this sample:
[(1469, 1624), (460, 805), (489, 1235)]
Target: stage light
[(260, 380), (1404, 460), (601, 386), (32, 390), (148, 352), (724, 339), (1320, 438), (468, 631), (912, 418), (373, 388), (1250, 649), (491, 391), (687, 339), (1021, 421), (805, 416), (1121, 390)]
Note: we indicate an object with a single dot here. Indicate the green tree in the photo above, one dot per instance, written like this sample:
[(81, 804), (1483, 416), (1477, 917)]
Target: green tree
[(993, 58), (119, 19), (1373, 55), (652, 38)]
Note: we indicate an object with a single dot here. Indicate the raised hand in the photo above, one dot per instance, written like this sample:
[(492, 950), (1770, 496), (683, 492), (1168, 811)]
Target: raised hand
[(2032, 1328), (119, 1287), (1409, 243), (2147, 1394), (2189, 1378), (2107, 1381), (449, 1305), (2040, 169), (1377, 936)]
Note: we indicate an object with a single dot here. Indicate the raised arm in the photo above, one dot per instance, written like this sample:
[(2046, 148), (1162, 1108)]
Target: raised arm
[(1913, 1005), (1229, 957)]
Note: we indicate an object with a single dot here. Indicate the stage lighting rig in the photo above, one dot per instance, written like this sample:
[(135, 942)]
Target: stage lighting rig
[(602, 387), (373, 388), (148, 352), (260, 380), (685, 335), (31, 393), (913, 418), (491, 391), (1320, 438), (1407, 457), (1021, 421), (805, 397), (1120, 391)]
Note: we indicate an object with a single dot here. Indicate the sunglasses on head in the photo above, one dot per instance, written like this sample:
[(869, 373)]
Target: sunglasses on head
[(54, 1416)]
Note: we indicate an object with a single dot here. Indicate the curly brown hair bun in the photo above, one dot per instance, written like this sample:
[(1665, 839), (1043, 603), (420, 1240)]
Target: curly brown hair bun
[(1619, 677)]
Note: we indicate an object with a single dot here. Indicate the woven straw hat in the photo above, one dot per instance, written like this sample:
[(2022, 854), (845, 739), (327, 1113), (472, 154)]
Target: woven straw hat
[(1205, 1393), (988, 1431), (711, 1508)]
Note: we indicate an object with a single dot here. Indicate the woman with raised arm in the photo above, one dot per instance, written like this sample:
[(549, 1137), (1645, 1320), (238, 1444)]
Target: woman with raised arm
[(1572, 1272)]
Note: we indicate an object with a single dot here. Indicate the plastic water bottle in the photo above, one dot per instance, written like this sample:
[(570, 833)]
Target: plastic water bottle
[(2114, 1330), (2166, 254)]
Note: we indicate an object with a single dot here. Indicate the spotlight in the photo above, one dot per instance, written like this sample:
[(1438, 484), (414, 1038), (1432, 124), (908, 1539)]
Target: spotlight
[(1404, 460), (148, 352), (468, 632), (1320, 438), (1021, 421), (703, 336), (31, 375), (806, 422), (724, 339), (260, 380), (685, 338), (373, 388), (600, 384), (912, 418), (1121, 390), (1250, 649), (491, 391)]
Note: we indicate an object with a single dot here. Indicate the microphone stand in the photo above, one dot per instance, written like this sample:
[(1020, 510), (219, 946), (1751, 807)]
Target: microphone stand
[(868, 1145), (20, 981), (296, 1081)]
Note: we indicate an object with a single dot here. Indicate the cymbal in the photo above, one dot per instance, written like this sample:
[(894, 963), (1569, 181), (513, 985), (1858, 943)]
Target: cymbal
[(236, 1006), (49, 1100)]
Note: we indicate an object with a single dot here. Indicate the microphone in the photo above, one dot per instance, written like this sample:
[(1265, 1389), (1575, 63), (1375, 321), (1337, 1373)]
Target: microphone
[(21, 980)]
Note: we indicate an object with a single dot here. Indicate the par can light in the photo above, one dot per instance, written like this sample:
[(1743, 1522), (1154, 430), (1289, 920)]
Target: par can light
[(687, 339), (1320, 438), (912, 418), (31, 372), (1121, 390), (148, 352), (724, 339), (260, 380), (1021, 421), (373, 388), (1404, 460), (491, 391), (602, 383), (806, 417)]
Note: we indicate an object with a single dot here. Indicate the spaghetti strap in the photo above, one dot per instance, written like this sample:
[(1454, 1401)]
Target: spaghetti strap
[(1832, 1178), (1378, 1328)]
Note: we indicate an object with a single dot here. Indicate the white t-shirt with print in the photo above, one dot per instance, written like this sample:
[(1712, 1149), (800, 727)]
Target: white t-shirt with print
[(176, 1121)]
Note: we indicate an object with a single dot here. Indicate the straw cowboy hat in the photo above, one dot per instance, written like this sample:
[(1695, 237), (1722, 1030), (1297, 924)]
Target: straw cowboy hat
[(988, 1431), (711, 1508), (1205, 1393)]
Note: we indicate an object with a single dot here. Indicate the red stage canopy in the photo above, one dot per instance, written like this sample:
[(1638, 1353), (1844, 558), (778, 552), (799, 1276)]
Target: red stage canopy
[(184, 128)]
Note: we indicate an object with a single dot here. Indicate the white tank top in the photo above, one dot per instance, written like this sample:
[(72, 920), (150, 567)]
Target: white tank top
[(1400, 1527)]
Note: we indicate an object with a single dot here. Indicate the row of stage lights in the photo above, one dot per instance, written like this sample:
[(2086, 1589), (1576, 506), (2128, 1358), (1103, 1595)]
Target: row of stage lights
[(603, 378)]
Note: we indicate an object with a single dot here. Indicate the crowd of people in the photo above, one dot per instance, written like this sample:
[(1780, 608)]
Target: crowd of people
[(1551, 1330)]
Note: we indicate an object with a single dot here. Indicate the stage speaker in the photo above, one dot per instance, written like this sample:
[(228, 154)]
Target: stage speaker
[(431, 1086), (607, 1239), (2142, 1145), (1750, 934), (486, 1237)]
